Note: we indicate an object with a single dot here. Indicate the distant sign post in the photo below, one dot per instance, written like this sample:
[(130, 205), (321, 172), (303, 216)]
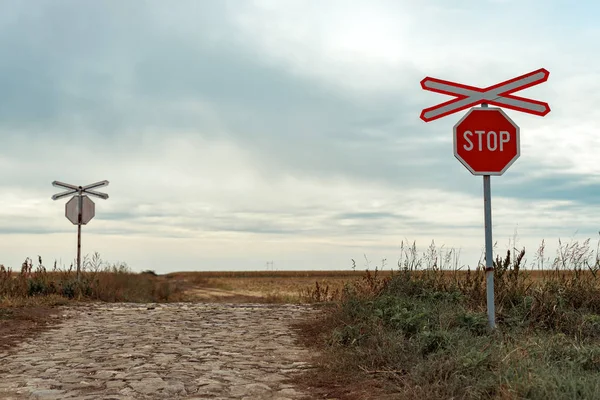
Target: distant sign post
[(486, 140), (80, 209)]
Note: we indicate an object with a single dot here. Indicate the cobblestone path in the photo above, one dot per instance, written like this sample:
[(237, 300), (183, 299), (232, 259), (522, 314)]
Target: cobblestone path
[(160, 351)]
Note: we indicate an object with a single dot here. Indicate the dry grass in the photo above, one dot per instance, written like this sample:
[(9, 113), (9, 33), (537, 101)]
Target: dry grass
[(422, 333), (418, 331), (274, 286), (98, 281), (111, 283)]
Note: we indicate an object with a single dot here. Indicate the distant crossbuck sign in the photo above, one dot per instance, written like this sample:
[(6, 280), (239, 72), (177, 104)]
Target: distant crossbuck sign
[(80, 209), (80, 189), (499, 95)]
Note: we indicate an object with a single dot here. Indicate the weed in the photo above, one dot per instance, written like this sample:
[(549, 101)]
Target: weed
[(98, 281), (428, 324)]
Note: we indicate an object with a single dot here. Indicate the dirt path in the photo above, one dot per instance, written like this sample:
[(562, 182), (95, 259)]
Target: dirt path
[(154, 351), (213, 295)]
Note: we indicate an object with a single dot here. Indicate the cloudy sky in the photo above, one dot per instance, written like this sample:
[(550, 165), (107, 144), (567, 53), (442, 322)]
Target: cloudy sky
[(239, 132)]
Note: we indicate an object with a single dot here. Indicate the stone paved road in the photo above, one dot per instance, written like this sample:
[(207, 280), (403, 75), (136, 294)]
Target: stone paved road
[(160, 351)]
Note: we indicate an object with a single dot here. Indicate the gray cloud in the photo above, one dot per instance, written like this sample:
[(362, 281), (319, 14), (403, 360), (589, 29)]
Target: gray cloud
[(112, 75), (106, 90), (288, 122), (31, 230), (555, 187)]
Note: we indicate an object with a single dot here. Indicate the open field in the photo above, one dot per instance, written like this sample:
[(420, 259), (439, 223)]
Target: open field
[(269, 286), (417, 331)]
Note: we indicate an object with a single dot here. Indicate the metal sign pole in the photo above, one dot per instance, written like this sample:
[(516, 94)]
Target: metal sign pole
[(78, 250), (489, 261), (79, 218)]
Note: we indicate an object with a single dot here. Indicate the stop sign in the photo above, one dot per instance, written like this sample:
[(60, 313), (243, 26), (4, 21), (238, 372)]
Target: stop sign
[(486, 141)]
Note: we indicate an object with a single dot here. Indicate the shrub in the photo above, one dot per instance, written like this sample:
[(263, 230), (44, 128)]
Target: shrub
[(430, 325)]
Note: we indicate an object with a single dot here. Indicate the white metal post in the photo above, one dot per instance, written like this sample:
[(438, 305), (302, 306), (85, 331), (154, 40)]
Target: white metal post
[(489, 260), (489, 253)]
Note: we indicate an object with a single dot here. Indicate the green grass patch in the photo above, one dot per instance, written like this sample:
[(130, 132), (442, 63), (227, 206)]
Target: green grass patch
[(424, 333)]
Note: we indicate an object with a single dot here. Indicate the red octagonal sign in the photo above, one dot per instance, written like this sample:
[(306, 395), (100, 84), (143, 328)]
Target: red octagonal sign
[(486, 141)]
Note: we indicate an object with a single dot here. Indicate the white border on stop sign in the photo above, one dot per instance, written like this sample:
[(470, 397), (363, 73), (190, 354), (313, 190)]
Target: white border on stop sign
[(463, 162)]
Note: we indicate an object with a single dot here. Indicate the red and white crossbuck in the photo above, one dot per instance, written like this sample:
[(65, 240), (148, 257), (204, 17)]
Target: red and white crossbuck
[(499, 95)]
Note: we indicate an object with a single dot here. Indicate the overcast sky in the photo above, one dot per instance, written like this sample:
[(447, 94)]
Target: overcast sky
[(239, 132)]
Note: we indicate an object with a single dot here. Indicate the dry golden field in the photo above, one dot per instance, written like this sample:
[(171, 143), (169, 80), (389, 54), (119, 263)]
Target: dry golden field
[(269, 286)]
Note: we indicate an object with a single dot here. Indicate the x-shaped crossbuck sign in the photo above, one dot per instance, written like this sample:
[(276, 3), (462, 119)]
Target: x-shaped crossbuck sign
[(79, 190), (498, 95)]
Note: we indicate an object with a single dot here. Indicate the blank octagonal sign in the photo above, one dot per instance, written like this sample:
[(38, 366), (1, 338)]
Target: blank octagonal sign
[(88, 210), (486, 141)]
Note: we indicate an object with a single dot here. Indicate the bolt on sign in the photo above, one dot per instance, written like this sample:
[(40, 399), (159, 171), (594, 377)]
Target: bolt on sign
[(486, 141), (80, 209)]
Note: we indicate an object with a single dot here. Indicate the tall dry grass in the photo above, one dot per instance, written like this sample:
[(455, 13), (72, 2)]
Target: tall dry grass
[(99, 281), (422, 333)]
